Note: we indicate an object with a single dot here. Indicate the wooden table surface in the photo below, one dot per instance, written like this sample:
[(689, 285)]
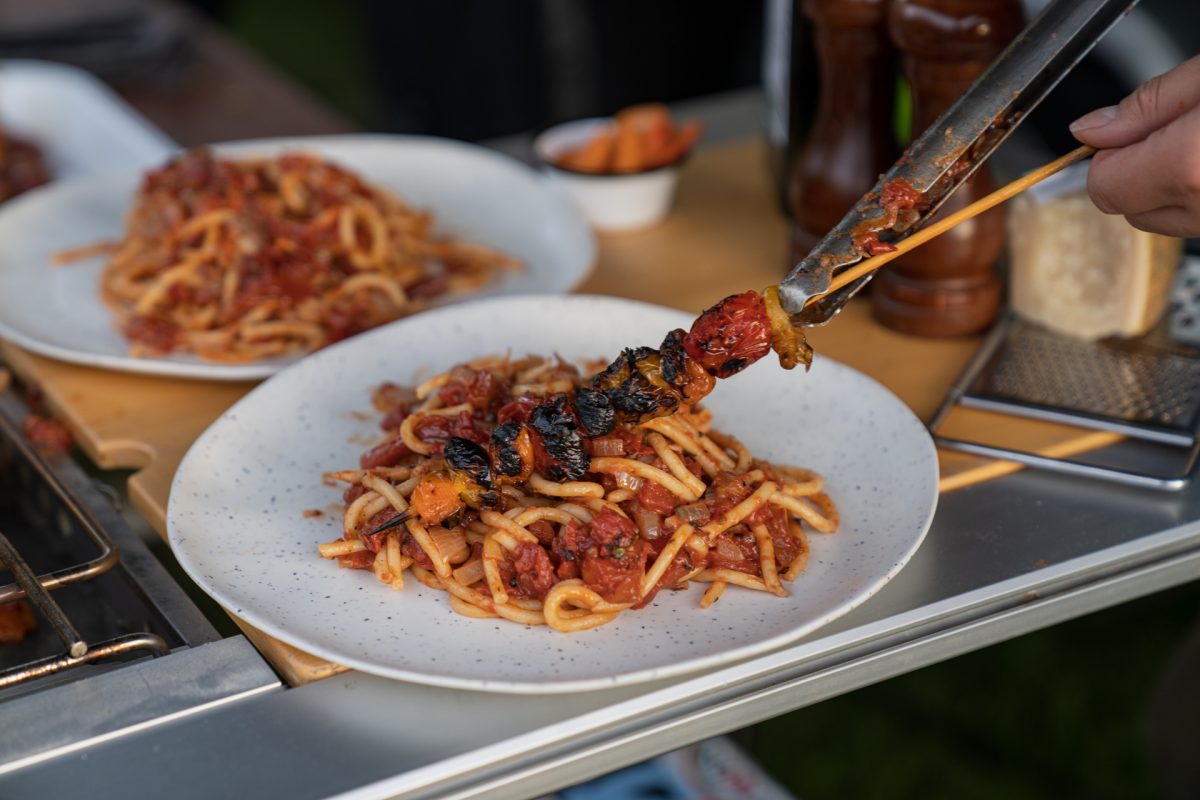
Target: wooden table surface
[(725, 235)]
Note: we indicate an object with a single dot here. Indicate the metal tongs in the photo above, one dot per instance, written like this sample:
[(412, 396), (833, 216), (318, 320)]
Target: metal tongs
[(950, 151)]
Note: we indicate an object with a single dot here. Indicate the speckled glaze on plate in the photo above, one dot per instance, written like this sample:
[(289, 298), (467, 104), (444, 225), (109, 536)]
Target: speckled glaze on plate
[(474, 193), (236, 513)]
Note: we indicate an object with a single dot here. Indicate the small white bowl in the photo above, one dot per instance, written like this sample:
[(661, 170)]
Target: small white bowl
[(612, 202)]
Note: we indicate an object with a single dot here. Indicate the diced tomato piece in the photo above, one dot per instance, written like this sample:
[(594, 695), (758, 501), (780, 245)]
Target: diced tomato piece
[(654, 497), (391, 421), (410, 548), (388, 453), (617, 580), (375, 541), (517, 409), (480, 389), (535, 574), (610, 529)]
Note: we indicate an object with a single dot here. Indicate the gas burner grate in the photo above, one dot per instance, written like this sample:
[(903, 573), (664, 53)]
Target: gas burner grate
[(39, 485)]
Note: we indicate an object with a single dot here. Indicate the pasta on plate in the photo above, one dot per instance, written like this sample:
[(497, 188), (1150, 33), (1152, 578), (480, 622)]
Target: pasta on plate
[(239, 260), (521, 488)]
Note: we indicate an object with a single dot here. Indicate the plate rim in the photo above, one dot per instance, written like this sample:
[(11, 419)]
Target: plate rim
[(261, 369), (548, 686)]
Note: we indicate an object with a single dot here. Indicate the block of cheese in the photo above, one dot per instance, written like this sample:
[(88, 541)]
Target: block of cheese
[(1083, 273)]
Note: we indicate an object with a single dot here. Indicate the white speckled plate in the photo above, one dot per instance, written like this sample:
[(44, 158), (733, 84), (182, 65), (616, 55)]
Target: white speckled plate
[(236, 521), (473, 192)]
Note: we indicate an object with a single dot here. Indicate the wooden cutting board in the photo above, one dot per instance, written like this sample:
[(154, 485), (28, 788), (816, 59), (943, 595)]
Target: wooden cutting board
[(725, 235)]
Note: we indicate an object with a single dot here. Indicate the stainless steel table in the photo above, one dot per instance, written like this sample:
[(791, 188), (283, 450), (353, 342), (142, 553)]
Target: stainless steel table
[(1003, 558)]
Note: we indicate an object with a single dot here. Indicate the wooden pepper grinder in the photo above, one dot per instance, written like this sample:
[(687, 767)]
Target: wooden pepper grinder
[(949, 286), (850, 141)]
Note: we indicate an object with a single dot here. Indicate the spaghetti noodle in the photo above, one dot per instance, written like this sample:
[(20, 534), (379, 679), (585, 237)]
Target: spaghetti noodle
[(658, 504), (236, 260)]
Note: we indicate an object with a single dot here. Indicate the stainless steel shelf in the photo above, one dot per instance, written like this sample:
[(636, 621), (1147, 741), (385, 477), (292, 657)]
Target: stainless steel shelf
[(1002, 559)]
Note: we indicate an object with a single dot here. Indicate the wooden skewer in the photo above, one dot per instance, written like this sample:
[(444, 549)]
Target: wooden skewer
[(941, 226)]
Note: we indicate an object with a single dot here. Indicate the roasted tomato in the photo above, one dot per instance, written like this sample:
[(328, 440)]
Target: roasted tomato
[(434, 430), (511, 451), (437, 497), (731, 335), (561, 455), (518, 409), (636, 386), (595, 412), (388, 453), (475, 386), (471, 467), (470, 458)]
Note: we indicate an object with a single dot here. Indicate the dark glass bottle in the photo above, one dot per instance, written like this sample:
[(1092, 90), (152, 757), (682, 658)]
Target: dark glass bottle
[(850, 141), (948, 287), (789, 80)]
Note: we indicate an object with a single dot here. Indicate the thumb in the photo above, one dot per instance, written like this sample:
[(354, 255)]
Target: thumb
[(1152, 105)]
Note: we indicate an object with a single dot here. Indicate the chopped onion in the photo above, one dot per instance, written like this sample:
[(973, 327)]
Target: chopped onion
[(649, 523), (728, 550), (694, 513), (607, 446), (627, 481), (452, 543), (469, 573)]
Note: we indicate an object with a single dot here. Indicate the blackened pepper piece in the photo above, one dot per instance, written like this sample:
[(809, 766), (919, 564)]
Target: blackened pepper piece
[(470, 458), (683, 372), (615, 374), (511, 450), (564, 457), (649, 367), (595, 412), (636, 386), (673, 358)]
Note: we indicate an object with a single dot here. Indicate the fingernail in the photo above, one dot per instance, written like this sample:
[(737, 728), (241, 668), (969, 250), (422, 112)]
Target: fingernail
[(1094, 119)]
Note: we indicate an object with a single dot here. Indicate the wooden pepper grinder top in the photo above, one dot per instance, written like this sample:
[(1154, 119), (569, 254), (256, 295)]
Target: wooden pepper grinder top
[(949, 286), (850, 141)]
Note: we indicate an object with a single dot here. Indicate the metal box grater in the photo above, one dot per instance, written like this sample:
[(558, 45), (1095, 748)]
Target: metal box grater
[(1146, 388)]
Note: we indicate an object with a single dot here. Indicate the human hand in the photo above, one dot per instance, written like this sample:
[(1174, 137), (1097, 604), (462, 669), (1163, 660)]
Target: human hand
[(1148, 164)]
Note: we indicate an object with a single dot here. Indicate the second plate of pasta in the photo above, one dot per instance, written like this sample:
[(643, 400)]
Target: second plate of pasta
[(254, 506), (229, 264)]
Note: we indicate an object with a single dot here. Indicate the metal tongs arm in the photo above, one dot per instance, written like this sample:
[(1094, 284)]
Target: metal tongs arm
[(949, 151)]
